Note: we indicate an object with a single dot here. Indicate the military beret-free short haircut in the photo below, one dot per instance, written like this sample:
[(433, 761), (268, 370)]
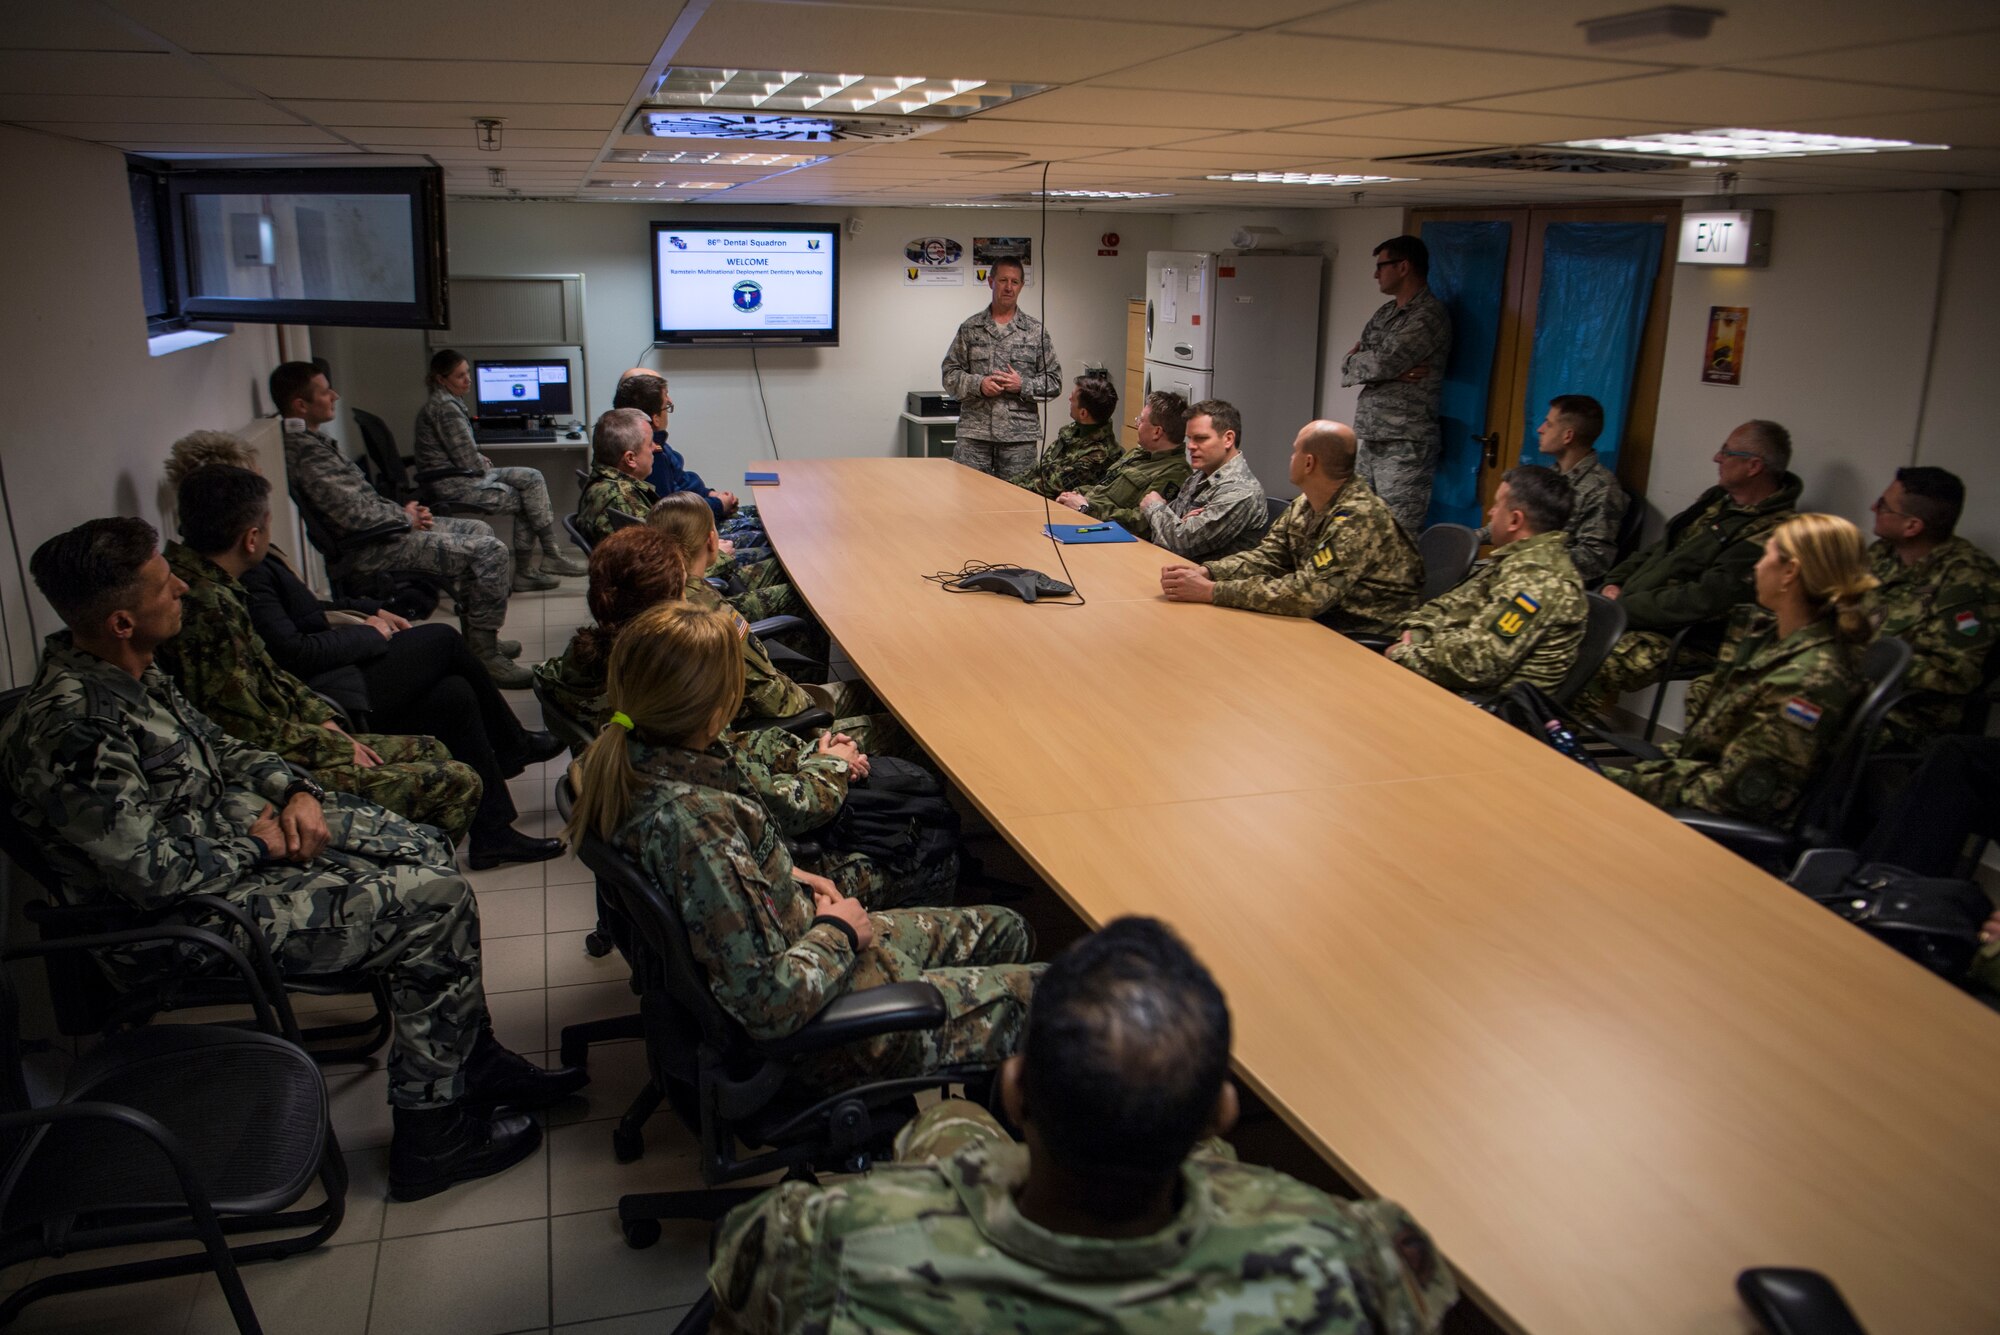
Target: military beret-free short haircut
[(290, 382), (647, 393), (1542, 494), (1126, 1050), (1170, 414), (218, 504), (1096, 395), (1411, 248), (1222, 416), (1013, 262), (93, 570), (1581, 414), (1934, 495)]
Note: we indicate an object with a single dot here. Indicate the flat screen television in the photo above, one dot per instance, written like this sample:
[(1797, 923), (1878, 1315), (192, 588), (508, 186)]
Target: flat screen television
[(521, 389), (724, 283)]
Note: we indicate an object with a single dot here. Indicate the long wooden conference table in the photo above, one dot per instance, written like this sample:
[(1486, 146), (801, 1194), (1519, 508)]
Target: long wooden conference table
[(1606, 1063)]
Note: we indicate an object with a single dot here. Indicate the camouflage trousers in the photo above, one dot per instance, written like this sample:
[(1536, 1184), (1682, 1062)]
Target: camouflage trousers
[(1658, 781), (384, 898), (1002, 458), (880, 886), (417, 780), (1635, 663), (521, 492), (976, 957), (463, 553), (1400, 472)]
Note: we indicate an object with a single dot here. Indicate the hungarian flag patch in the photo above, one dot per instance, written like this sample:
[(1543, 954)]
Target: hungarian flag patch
[(1966, 622), (1802, 712)]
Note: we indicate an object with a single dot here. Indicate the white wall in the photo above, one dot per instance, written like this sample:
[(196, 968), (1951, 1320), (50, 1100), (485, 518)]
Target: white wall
[(1962, 410), (88, 415)]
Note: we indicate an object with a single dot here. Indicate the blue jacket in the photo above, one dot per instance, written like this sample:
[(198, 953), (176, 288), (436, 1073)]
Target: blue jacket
[(671, 474)]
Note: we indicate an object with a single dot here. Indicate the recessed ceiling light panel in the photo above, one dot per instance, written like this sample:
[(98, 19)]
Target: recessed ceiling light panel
[(828, 94), (715, 157), (1738, 143), (1307, 178), (762, 127)]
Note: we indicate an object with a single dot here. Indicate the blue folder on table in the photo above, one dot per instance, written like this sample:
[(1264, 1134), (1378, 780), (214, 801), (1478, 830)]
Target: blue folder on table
[(1081, 535), (760, 479)]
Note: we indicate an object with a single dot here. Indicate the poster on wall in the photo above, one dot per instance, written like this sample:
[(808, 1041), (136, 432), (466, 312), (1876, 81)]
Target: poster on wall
[(1722, 360), (987, 249), (933, 261)]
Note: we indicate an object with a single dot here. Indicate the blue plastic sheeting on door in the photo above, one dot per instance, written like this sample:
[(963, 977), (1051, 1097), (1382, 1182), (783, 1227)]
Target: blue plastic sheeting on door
[(1597, 284), (1469, 275)]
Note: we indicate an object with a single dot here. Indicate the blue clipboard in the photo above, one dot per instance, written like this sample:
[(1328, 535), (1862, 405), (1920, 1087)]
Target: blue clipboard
[(760, 479), (1083, 535)]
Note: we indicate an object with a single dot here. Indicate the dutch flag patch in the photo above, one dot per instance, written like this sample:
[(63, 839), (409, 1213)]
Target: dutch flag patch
[(1802, 712)]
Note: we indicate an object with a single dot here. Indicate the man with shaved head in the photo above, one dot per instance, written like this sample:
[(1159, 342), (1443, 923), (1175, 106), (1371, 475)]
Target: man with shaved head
[(1336, 554)]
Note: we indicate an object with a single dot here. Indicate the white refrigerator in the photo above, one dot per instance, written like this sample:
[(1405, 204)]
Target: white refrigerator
[(1244, 329)]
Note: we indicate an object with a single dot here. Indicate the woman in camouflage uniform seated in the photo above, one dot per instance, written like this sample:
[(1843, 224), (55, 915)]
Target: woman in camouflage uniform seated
[(1764, 722), (776, 942)]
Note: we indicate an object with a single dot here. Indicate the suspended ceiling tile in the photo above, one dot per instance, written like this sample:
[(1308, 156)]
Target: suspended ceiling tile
[(130, 74), (1486, 126), (1166, 107), (52, 26), (467, 136), (577, 30), (154, 148), (1965, 63), (286, 77), (1241, 14), (1286, 143), (984, 132), (105, 132), (135, 110), (1747, 32), (599, 117), (1967, 127), (1726, 97), (1193, 160), (756, 34), (507, 153), (1369, 71)]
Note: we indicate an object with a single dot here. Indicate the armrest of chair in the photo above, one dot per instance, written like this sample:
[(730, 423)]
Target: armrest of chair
[(438, 474), (366, 537), (1636, 747), (805, 722), (778, 625), (208, 941), (1374, 643), (1739, 836), (1796, 1302), (893, 1008)]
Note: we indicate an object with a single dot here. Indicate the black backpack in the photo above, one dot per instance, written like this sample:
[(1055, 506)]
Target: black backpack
[(1530, 709), (899, 817)]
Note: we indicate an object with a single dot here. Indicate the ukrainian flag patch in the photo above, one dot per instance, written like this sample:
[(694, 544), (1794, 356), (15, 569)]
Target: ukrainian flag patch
[(1513, 618), (1527, 604)]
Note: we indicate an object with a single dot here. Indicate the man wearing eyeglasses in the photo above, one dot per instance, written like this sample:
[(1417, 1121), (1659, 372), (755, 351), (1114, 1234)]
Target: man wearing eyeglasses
[(1701, 567), (1399, 364)]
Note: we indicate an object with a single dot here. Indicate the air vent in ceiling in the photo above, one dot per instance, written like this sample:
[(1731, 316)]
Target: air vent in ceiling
[(764, 127), (1539, 160)]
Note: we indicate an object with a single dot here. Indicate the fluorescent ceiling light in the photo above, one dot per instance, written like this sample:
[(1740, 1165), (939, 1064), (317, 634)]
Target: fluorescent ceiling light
[(1307, 178), (1102, 194), (828, 94), (1737, 143), (705, 185), (715, 157)]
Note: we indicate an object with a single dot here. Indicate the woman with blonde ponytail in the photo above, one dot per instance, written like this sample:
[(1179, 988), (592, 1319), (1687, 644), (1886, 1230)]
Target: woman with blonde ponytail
[(1761, 725), (777, 942)]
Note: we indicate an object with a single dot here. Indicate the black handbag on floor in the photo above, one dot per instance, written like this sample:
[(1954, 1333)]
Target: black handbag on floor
[(1933, 920)]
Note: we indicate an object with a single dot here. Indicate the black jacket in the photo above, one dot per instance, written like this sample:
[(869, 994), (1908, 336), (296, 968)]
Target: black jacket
[(291, 620)]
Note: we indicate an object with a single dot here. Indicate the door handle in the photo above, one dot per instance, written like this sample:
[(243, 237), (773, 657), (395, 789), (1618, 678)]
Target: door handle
[(1491, 440)]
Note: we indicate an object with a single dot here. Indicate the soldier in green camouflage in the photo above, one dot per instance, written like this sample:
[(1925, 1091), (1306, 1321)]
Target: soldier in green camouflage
[(621, 454), (1520, 617), (758, 589), (999, 367), (1157, 464), (1399, 363), (1116, 1214), (1939, 593), (776, 942), (134, 796), (474, 564), (1336, 554), (1768, 717), (1568, 434), (1083, 449), (224, 669), (1699, 570)]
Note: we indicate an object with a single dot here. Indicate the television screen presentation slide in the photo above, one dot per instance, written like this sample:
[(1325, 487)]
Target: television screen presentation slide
[(526, 385), (744, 280)]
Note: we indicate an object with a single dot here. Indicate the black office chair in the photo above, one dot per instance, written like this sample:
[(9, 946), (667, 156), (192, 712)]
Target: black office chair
[(1273, 507), (732, 1091), (1448, 551), (1796, 1302), (582, 477), (164, 1134), (1680, 665), (619, 519), (338, 550), (1630, 525), (393, 472), (576, 534), (1602, 626)]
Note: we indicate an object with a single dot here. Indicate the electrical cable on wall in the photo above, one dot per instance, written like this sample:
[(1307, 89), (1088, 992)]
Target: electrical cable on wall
[(769, 430), (1042, 407)]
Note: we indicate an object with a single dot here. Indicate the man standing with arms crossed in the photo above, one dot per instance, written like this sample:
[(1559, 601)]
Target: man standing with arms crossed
[(1399, 364), (999, 365)]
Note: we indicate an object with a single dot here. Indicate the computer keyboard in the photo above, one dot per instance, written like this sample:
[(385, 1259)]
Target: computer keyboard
[(486, 437)]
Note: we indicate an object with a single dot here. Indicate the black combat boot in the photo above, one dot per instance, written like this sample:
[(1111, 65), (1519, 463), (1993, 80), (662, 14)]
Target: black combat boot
[(496, 1078), (436, 1147)]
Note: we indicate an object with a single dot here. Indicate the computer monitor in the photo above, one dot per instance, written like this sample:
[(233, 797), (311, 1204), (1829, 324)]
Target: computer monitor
[(521, 389)]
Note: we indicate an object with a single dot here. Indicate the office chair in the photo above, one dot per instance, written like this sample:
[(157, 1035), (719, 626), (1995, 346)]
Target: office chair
[(1672, 670), (338, 550), (1448, 551), (1630, 525), (576, 534), (392, 471), (619, 519), (1273, 507), (1602, 626), (582, 477), (1796, 1302)]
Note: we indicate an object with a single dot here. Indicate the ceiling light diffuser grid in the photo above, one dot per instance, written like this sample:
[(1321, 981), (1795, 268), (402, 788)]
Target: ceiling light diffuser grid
[(829, 94), (1306, 178), (1739, 143)]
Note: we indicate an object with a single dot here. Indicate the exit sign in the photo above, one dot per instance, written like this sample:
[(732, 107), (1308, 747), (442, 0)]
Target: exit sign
[(1739, 237)]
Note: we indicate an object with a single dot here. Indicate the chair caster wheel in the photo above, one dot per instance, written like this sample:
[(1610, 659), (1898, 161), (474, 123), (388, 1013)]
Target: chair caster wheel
[(640, 1233), (597, 945), (627, 1146)]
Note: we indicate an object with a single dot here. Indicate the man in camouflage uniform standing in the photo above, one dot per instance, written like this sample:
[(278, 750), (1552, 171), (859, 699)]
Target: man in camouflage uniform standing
[(1336, 554), (226, 672), (1123, 1211), (474, 564), (134, 796), (999, 366), (1085, 448), (1938, 592), (1220, 511), (1399, 364), (1700, 569), (1568, 434), (1157, 465), (1520, 617)]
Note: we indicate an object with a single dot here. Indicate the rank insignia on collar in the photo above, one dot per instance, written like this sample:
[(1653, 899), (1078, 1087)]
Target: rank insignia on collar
[(1966, 622), (1802, 712)]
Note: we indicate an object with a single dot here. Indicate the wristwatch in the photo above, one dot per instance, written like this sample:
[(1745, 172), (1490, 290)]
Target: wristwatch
[(301, 784)]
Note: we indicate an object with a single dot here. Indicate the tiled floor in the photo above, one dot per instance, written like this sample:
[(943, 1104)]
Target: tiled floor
[(536, 1248)]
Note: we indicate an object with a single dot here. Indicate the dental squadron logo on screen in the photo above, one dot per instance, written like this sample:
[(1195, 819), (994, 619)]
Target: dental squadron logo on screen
[(747, 295)]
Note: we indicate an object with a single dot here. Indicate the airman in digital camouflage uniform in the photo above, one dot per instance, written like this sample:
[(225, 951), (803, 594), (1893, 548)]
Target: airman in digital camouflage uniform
[(999, 366), (1568, 434), (1520, 617), (1336, 554), (1156, 465), (1768, 717), (1938, 592), (1699, 570), (1115, 1215), (1084, 448), (1399, 364), (1221, 509), (473, 563), (133, 795), (777, 943)]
